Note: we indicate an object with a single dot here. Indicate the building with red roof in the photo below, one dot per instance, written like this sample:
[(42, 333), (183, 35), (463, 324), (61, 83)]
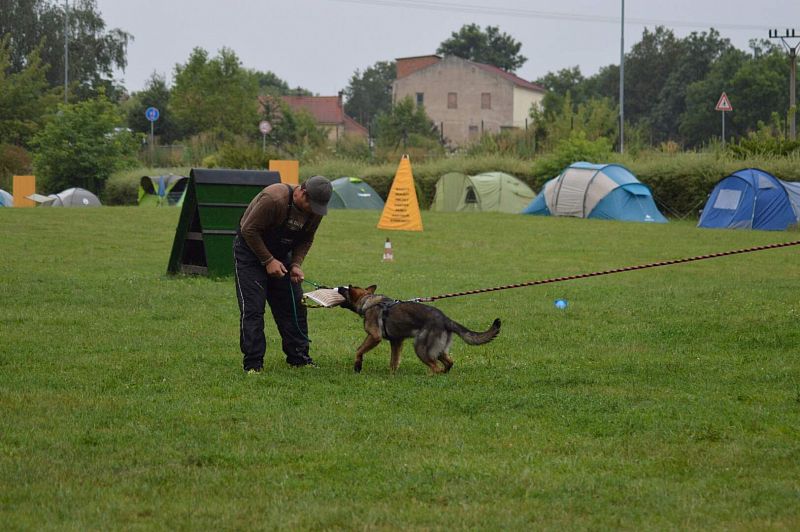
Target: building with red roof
[(329, 113)]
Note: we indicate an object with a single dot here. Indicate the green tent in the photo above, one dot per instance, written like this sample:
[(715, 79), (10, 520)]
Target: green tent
[(163, 190), (487, 192), (354, 193)]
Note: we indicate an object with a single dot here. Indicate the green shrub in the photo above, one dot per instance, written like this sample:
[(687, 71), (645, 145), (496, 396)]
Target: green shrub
[(513, 143), (243, 155), (755, 145), (682, 183), (82, 146), (352, 147), (575, 148), (14, 160)]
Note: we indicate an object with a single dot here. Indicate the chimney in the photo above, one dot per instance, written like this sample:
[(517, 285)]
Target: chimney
[(409, 65)]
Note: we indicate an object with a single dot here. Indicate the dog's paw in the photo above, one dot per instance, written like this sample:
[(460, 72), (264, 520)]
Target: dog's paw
[(357, 367)]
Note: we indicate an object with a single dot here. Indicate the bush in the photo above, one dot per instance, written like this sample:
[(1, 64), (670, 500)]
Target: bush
[(682, 183), (242, 155), (426, 172), (353, 147), (514, 143), (14, 160), (83, 145), (575, 148)]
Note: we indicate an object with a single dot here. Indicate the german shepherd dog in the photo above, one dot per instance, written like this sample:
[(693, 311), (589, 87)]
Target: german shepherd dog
[(395, 321)]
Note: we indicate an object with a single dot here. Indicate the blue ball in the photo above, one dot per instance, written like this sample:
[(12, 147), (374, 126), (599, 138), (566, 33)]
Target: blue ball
[(561, 303)]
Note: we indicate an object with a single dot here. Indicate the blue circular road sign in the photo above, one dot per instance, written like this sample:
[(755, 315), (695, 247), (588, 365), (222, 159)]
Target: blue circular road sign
[(151, 113)]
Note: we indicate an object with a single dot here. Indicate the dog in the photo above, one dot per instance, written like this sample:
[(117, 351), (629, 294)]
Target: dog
[(387, 318)]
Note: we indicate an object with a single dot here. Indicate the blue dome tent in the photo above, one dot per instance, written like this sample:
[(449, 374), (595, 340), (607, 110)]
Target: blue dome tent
[(752, 199), (605, 191), (6, 199)]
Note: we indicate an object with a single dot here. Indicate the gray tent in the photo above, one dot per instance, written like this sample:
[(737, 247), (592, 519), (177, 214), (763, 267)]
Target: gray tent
[(6, 199), (76, 197)]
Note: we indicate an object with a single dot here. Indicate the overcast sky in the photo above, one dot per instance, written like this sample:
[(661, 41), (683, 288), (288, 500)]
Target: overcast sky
[(318, 44)]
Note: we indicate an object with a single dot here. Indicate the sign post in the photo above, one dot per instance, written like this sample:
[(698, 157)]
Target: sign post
[(724, 105), (265, 127), (152, 115)]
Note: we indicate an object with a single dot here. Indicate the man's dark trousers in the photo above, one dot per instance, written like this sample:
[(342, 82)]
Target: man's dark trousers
[(254, 289)]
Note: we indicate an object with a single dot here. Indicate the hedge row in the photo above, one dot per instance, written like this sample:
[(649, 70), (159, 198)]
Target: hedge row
[(680, 182)]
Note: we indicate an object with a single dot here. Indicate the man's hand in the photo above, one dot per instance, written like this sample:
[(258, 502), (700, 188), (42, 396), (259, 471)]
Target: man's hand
[(296, 274), (275, 268)]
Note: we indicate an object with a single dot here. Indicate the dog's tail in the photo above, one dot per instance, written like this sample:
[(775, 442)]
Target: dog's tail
[(475, 338)]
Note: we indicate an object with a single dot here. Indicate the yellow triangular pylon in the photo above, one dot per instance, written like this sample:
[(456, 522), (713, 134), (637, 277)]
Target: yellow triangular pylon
[(401, 211)]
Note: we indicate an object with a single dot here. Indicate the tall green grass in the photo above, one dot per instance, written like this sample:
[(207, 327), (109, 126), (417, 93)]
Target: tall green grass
[(666, 398)]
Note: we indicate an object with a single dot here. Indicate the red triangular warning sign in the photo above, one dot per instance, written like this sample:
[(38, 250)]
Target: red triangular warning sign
[(724, 104)]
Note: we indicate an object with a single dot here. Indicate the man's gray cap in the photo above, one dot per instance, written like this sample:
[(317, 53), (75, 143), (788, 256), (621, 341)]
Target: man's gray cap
[(319, 191)]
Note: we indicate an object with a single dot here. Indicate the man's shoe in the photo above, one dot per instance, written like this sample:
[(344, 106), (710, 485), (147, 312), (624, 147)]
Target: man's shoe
[(305, 363)]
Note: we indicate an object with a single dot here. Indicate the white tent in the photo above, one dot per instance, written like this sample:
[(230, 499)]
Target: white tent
[(72, 197)]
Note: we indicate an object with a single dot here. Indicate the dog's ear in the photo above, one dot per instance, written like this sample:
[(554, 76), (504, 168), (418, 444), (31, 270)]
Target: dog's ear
[(371, 289)]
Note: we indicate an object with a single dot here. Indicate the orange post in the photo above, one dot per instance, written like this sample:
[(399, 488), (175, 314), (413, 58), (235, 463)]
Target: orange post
[(289, 170), (24, 185)]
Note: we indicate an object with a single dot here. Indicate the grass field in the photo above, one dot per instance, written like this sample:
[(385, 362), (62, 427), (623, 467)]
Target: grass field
[(666, 398)]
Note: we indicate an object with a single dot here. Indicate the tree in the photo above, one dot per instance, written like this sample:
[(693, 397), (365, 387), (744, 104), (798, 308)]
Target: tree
[(647, 67), (155, 94), (94, 52), (565, 81), (595, 118), (760, 87), (698, 53), (369, 93), (295, 132), (83, 145), (406, 123), (25, 98), (269, 83), (215, 95), (700, 122), (490, 46)]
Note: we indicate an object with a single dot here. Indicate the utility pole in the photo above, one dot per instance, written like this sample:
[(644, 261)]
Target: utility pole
[(66, 48), (622, 81), (791, 45)]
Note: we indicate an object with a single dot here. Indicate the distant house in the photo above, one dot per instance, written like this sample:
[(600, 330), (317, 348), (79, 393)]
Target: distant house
[(465, 98), (329, 113)]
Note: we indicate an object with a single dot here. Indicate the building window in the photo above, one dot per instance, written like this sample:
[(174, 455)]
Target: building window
[(420, 98), (486, 100), (473, 132), (452, 100)]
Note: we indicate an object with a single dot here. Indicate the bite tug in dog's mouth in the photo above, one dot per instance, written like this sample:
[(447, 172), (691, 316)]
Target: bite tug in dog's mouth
[(393, 320)]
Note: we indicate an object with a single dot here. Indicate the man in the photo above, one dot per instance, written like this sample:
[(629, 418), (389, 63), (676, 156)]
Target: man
[(274, 236)]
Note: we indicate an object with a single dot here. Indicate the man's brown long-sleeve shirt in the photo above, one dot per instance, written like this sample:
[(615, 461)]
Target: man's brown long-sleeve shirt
[(267, 212)]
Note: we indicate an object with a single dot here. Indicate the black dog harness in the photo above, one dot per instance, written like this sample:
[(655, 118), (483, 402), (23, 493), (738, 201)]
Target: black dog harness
[(385, 305)]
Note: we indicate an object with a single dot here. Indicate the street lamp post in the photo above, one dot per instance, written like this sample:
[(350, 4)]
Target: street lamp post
[(66, 48), (792, 43), (622, 81)]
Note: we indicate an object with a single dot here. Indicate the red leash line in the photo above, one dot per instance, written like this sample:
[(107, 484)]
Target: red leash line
[(607, 272)]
